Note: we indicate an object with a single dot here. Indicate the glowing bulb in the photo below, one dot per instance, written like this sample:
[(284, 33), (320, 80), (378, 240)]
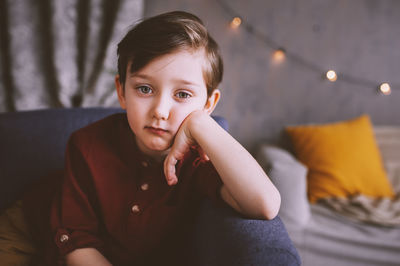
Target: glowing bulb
[(279, 55), (331, 75), (235, 23), (385, 88)]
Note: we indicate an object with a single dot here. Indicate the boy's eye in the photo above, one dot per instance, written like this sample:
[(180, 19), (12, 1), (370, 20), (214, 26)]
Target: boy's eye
[(183, 95), (144, 89)]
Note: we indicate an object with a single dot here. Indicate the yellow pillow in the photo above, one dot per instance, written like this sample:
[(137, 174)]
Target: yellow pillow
[(343, 159)]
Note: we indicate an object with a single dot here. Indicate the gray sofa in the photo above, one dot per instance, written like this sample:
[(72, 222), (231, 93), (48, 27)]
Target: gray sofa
[(322, 235), (32, 145)]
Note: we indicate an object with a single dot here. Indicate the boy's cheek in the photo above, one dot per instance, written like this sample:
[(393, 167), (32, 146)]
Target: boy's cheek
[(187, 117)]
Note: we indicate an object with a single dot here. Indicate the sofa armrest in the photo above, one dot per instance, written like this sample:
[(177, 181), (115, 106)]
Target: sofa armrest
[(223, 237)]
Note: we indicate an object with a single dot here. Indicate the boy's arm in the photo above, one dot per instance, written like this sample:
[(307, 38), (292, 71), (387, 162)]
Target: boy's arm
[(86, 256), (246, 186)]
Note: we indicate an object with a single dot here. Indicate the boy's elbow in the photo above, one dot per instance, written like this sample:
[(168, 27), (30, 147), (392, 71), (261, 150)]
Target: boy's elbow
[(270, 214), (271, 207)]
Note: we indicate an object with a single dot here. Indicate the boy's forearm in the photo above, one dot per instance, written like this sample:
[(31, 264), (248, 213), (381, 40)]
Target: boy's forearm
[(86, 256), (242, 176)]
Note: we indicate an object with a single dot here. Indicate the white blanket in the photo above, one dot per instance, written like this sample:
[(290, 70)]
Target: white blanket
[(380, 211)]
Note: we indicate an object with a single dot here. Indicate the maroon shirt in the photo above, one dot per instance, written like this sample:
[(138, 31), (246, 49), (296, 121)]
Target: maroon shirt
[(116, 199)]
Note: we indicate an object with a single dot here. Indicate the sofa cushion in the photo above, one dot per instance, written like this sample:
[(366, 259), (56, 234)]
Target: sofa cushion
[(343, 159)]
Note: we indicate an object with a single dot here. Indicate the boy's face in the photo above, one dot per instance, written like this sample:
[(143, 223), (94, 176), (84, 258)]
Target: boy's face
[(158, 97)]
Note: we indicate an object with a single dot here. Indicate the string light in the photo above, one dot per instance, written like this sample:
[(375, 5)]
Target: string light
[(279, 55), (331, 75), (235, 23), (385, 88)]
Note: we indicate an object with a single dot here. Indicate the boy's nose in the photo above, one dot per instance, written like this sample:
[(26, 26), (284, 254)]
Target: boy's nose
[(162, 109)]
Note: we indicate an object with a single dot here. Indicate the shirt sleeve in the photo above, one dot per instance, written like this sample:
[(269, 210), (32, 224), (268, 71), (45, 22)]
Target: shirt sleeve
[(208, 181), (74, 220)]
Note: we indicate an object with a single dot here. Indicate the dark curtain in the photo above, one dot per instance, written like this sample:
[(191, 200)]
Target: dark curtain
[(61, 53)]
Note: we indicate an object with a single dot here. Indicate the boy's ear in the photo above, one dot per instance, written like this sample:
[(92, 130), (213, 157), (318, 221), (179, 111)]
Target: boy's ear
[(212, 101), (120, 92)]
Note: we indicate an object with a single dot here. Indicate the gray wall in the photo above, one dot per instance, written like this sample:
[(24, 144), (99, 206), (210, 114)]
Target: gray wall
[(359, 38)]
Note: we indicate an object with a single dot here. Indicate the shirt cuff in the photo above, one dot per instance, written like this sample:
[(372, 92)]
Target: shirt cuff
[(67, 241)]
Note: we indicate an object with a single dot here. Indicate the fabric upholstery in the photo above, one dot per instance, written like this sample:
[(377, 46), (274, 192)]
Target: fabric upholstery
[(343, 159), (224, 238)]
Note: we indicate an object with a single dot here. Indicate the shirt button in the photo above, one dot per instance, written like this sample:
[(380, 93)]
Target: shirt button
[(64, 238), (145, 164), (135, 209), (144, 187)]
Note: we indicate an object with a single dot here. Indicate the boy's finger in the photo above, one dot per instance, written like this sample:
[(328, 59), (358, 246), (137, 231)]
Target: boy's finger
[(203, 155), (169, 170)]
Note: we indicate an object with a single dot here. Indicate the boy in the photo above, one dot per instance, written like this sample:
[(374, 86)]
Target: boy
[(133, 180)]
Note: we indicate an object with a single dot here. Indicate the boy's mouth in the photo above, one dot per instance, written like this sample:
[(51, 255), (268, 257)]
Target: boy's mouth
[(156, 130)]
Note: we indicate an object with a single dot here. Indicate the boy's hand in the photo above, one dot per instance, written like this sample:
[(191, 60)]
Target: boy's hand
[(182, 144)]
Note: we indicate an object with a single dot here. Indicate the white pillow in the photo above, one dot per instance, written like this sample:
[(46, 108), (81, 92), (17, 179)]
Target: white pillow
[(290, 178), (388, 139)]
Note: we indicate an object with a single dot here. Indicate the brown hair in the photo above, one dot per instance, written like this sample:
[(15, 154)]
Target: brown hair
[(164, 34)]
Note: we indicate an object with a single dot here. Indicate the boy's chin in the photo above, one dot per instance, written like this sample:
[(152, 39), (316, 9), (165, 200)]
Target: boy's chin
[(155, 150), (160, 147), (158, 151)]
